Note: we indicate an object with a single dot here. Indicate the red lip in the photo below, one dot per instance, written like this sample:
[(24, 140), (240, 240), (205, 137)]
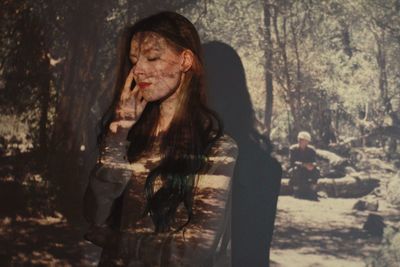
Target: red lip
[(143, 85)]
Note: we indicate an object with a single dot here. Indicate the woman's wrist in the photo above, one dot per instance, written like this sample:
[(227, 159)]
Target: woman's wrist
[(118, 125)]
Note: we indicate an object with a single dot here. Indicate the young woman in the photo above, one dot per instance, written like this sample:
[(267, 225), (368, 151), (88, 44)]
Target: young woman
[(161, 191)]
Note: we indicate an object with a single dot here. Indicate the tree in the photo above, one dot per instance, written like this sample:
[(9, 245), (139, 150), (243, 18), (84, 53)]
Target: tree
[(26, 70), (268, 67)]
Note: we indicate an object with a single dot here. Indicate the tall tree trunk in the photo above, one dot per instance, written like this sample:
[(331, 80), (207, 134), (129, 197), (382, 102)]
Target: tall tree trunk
[(74, 136), (290, 96), (44, 99), (381, 60), (73, 139), (298, 82), (268, 67)]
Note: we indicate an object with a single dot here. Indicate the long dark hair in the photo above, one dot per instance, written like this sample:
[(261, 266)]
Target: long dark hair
[(193, 131)]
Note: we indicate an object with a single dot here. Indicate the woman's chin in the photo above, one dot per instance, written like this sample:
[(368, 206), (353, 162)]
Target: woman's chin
[(148, 97), (151, 99)]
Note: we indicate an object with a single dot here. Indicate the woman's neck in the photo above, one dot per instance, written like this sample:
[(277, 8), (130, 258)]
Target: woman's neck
[(168, 108), (167, 111)]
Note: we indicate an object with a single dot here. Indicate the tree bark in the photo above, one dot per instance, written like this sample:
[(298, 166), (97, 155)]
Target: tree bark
[(381, 60), (74, 138), (268, 67), (290, 91)]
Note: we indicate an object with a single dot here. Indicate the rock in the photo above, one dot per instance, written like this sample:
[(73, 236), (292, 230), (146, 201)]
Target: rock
[(389, 250), (322, 194), (377, 192), (348, 186), (371, 205), (349, 170), (374, 225), (335, 173), (396, 163), (334, 159), (286, 189), (393, 190)]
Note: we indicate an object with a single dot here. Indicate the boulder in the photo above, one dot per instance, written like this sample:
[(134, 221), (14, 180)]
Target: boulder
[(362, 204), (348, 186), (355, 185), (393, 190), (374, 225), (286, 189)]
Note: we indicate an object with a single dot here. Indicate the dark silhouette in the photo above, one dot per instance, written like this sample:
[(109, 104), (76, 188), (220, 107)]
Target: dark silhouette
[(257, 178)]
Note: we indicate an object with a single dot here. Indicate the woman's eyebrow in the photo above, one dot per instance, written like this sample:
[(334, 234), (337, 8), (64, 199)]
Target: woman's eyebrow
[(152, 48), (146, 51), (153, 45)]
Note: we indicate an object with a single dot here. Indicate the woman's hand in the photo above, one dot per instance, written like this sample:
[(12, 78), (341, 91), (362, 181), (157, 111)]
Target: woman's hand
[(131, 104), (130, 107)]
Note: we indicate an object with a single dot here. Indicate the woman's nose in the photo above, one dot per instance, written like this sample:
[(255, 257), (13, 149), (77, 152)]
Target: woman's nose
[(137, 71), (139, 68)]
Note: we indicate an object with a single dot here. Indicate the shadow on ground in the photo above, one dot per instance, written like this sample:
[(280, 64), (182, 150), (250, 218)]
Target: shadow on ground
[(32, 232), (340, 243)]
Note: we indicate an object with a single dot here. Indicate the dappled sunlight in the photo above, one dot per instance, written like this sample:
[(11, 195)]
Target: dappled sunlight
[(326, 233), (40, 241), (33, 232)]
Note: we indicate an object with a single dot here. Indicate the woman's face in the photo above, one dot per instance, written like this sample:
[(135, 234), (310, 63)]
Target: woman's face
[(156, 66)]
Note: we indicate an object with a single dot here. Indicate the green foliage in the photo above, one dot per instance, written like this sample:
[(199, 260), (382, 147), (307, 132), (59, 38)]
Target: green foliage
[(26, 70), (343, 55)]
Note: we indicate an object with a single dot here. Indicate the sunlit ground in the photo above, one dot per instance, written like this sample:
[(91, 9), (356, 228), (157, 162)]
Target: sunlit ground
[(324, 233), (329, 233)]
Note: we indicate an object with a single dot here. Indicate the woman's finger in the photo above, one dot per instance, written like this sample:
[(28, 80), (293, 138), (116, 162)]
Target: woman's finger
[(135, 91), (140, 103), (114, 127), (128, 81), (138, 96), (127, 86)]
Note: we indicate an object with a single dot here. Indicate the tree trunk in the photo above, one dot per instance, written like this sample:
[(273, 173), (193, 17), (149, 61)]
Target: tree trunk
[(74, 147), (74, 137), (45, 99), (268, 66), (381, 60), (286, 81)]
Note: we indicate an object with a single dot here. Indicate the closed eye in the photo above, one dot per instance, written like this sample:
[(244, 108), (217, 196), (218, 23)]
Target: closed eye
[(153, 58)]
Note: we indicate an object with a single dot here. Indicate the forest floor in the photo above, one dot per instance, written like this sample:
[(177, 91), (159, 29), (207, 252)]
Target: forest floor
[(33, 232), (307, 233), (46, 241), (329, 233)]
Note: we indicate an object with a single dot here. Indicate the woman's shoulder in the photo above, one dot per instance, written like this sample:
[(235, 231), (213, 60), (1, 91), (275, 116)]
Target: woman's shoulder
[(222, 157), (225, 146)]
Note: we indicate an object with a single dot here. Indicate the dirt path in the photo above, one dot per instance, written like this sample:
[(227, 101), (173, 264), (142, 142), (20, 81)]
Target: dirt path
[(49, 241), (327, 233), (324, 233)]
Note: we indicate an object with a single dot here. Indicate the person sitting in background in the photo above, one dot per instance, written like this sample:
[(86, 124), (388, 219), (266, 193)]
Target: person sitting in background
[(303, 168)]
